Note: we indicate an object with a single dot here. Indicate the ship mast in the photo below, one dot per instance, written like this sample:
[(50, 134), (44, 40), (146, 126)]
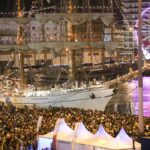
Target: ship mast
[(89, 33), (19, 13), (20, 41), (72, 75)]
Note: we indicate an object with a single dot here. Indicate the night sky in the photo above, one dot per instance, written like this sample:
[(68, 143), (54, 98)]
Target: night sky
[(11, 5)]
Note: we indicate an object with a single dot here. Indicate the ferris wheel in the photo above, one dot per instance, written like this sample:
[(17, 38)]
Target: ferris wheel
[(145, 16)]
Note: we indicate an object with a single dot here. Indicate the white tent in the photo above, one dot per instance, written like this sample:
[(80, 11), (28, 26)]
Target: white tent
[(81, 135), (81, 132), (121, 141), (100, 138), (45, 141), (82, 139), (103, 136), (64, 135)]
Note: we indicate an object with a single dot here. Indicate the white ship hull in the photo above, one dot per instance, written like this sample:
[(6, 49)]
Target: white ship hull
[(89, 98)]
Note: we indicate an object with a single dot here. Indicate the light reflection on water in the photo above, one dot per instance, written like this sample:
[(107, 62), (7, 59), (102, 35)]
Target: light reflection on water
[(146, 96)]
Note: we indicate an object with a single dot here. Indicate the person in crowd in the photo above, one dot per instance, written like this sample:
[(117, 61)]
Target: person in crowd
[(18, 126)]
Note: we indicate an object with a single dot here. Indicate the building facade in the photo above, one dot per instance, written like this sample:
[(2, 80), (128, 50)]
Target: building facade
[(129, 10)]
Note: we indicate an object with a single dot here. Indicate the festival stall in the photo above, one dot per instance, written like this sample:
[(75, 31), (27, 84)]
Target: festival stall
[(64, 138), (121, 141), (100, 139), (60, 138), (81, 134)]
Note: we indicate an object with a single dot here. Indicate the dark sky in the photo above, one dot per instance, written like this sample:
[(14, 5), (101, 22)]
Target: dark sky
[(11, 5)]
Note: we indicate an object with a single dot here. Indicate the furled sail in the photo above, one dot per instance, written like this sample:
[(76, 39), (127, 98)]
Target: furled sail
[(60, 45), (77, 19)]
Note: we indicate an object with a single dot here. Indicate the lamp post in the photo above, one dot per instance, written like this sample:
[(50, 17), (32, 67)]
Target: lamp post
[(140, 80)]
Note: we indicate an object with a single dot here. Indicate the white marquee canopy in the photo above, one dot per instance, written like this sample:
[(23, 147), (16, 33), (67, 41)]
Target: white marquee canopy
[(81, 139)]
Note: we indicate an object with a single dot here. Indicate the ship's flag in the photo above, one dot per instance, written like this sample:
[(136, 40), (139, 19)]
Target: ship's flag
[(39, 123)]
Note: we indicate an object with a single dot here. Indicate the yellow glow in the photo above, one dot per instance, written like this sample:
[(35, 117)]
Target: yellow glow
[(67, 49), (20, 14), (130, 29), (70, 8), (19, 9), (76, 40)]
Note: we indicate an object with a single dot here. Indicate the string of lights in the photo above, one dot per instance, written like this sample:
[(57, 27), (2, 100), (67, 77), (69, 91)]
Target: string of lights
[(54, 8), (122, 14), (47, 38), (26, 12)]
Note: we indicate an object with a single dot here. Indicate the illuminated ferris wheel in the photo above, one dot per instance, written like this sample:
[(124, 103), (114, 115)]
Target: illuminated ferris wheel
[(145, 33)]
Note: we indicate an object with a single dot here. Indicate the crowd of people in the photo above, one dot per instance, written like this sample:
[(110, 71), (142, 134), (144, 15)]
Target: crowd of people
[(18, 126)]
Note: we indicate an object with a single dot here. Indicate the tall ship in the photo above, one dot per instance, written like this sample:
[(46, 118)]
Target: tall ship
[(49, 50)]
